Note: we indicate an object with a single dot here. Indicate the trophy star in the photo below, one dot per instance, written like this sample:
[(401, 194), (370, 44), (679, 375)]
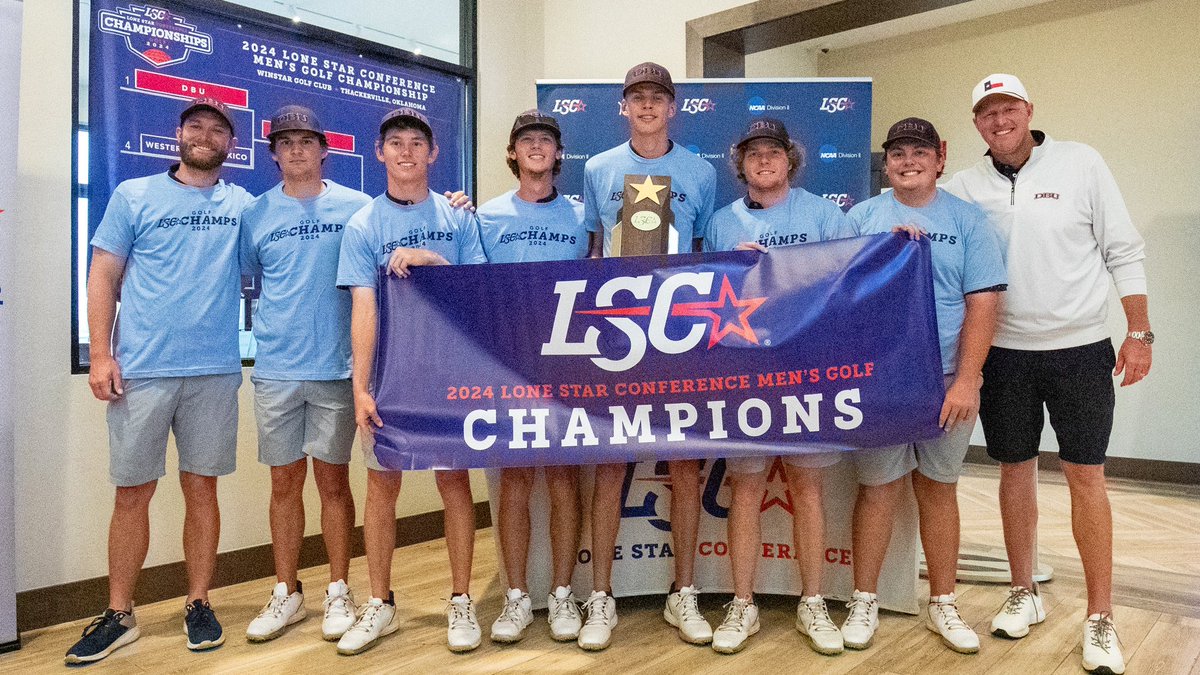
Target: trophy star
[(647, 190)]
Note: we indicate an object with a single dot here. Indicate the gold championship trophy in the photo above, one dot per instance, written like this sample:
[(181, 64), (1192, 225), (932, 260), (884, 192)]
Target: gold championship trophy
[(645, 220)]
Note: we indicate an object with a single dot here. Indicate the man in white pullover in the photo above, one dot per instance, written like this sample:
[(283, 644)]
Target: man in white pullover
[(1065, 228)]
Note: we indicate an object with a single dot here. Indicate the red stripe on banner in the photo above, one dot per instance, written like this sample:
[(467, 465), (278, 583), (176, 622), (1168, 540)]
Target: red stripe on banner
[(617, 311), (179, 86), (336, 141)]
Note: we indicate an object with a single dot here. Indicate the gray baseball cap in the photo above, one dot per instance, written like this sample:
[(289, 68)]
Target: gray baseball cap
[(295, 118), (534, 119), (765, 127), (406, 117), (649, 72), (208, 103)]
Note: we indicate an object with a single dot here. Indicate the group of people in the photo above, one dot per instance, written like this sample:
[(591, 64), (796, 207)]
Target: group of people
[(1023, 245)]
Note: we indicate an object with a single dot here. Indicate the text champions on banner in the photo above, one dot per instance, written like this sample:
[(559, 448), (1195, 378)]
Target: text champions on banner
[(807, 348)]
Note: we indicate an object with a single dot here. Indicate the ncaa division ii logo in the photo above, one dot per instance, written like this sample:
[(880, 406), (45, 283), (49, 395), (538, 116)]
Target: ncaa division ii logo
[(663, 307), (158, 36)]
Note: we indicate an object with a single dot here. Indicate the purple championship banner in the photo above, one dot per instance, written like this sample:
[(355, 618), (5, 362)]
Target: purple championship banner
[(808, 348)]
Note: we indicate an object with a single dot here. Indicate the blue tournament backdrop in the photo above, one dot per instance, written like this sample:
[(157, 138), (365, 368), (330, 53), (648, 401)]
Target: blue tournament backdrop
[(149, 60), (831, 118)]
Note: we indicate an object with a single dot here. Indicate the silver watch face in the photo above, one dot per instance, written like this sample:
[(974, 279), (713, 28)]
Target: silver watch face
[(1143, 336)]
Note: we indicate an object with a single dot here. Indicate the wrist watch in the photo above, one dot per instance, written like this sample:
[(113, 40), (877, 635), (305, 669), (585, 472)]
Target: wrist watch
[(1143, 336)]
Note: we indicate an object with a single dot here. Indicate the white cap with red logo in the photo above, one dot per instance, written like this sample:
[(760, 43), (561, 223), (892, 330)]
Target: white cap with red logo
[(998, 83)]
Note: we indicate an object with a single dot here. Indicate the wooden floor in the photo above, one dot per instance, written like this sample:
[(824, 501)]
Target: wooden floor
[(1157, 554)]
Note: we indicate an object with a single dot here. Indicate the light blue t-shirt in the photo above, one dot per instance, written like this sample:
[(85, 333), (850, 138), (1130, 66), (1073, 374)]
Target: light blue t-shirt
[(801, 218), (302, 323), (515, 230), (180, 295), (693, 189), (382, 226), (966, 254)]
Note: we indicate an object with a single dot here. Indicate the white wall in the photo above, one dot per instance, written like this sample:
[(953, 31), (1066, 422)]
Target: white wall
[(586, 39), (787, 61), (510, 60), (62, 491), (1122, 76)]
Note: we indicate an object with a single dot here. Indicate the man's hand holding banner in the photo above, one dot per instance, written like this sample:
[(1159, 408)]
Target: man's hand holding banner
[(807, 348)]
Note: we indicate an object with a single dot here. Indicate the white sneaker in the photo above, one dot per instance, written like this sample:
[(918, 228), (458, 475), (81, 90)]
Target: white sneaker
[(596, 633), (281, 611), (942, 617), (374, 622), (858, 630), (1022, 609), (812, 619), (565, 618), (462, 632), (741, 621), (514, 618), (339, 610), (683, 612), (1101, 648)]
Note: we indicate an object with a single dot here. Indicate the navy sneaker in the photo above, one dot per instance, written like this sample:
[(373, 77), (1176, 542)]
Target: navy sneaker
[(104, 635), (202, 628)]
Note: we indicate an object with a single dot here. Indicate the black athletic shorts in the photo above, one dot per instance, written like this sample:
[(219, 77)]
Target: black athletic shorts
[(1074, 384)]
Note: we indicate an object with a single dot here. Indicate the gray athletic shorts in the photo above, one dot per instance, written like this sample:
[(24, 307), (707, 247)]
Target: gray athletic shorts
[(875, 466), (201, 410), (298, 418), (941, 458)]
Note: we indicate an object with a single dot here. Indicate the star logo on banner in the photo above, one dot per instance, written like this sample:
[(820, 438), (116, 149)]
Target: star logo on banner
[(647, 190), (719, 312), (771, 494)]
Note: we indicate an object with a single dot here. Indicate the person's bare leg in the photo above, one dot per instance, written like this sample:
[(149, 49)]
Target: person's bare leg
[(1019, 516), (455, 489), (379, 528), (201, 532), (337, 515), (515, 486), (685, 517), (287, 519), (128, 542), (606, 522), (563, 485), (937, 504), (874, 514), (1091, 523), (808, 525), (744, 532)]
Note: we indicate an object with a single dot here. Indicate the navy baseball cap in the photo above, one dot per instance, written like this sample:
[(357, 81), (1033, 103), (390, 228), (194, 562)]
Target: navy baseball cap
[(207, 103), (406, 118), (295, 118), (913, 129), (765, 127), (649, 72), (534, 119)]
